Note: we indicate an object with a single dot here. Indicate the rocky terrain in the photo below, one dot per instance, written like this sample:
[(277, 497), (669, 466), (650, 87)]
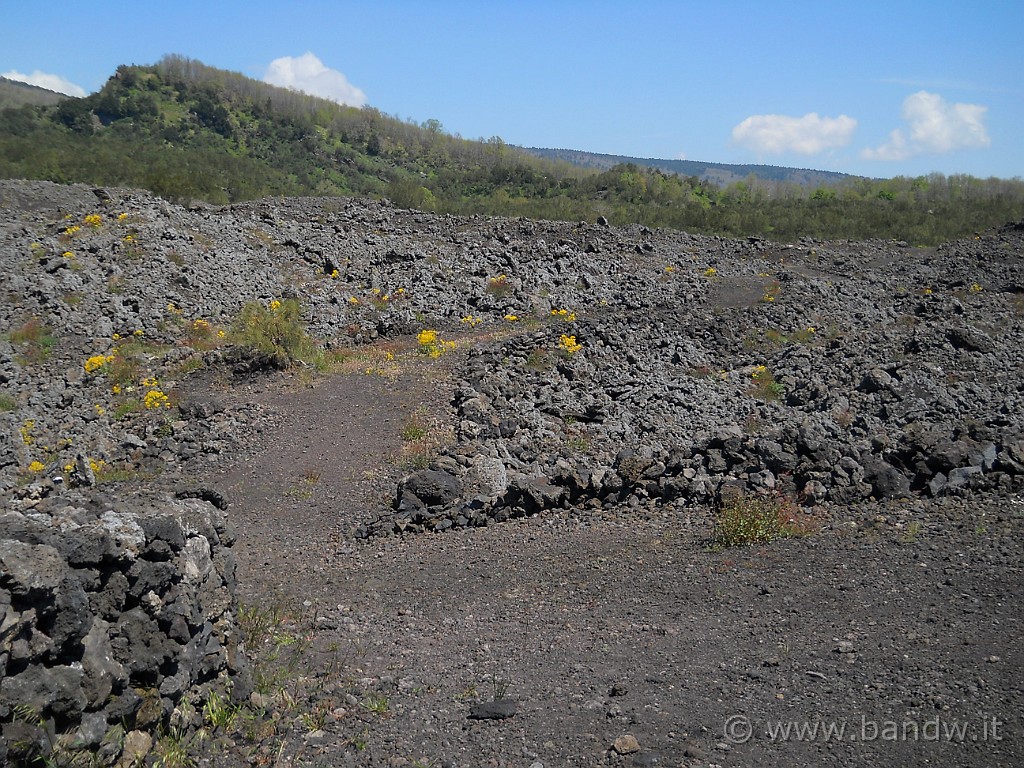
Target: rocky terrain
[(590, 396)]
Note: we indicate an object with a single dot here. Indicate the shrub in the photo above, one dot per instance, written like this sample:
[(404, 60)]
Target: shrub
[(34, 341), (275, 332), (431, 343), (763, 384), (568, 345), (745, 518), (499, 286)]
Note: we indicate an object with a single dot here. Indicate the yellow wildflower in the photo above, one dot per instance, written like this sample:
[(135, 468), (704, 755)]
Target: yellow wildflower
[(156, 399), (568, 344), (275, 305), (36, 466)]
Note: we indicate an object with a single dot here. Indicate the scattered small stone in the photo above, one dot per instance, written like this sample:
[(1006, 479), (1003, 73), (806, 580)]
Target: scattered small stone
[(498, 709), (626, 744)]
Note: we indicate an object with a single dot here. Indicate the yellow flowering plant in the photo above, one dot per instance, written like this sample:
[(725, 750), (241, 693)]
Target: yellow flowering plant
[(431, 344), (568, 345)]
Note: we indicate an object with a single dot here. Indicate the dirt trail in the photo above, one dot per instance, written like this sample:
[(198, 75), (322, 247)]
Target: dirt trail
[(601, 626)]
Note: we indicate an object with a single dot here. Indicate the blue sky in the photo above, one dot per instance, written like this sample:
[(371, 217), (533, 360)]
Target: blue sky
[(869, 88)]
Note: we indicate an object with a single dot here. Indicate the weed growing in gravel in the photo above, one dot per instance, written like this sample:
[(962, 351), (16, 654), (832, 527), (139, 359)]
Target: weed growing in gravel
[(774, 338), (568, 345), (845, 418), (34, 341), (432, 345), (201, 334), (423, 439), (376, 704), (416, 427), (499, 286), (745, 518), (539, 359), (26, 430), (763, 384), (303, 489), (171, 749), (219, 712), (45, 748), (911, 532), (7, 403)]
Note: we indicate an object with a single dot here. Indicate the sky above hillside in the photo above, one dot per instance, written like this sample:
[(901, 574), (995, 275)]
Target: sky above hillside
[(868, 88)]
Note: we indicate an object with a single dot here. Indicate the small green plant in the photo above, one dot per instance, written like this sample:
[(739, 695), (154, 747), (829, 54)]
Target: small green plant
[(911, 533), (763, 384), (34, 341), (172, 750), (7, 402), (499, 688), (540, 359), (219, 712), (499, 286), (416, 427), (749, 518), (376, 703)]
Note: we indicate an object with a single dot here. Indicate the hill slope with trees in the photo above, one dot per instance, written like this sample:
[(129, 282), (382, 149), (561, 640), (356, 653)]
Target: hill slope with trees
[(185, 130)]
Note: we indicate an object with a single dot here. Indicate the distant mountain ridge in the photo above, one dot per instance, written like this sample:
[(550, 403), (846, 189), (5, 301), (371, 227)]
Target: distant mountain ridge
[(14, 93), (720, 174)]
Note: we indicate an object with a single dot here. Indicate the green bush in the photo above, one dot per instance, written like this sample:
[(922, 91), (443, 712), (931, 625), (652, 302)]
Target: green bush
[(745, 518), (275, 332)]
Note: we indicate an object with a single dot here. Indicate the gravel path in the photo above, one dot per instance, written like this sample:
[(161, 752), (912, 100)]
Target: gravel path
[(619, 623)]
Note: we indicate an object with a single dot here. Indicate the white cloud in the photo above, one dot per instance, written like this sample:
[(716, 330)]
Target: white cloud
[(46, 80), (308, 74), (807, 135), (935, 127), (680, 156)]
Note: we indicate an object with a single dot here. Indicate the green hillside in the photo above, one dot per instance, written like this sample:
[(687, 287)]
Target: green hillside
[(189, 131)]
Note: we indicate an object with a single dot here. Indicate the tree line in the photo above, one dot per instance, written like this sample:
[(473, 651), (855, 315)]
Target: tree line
[(188, 131)]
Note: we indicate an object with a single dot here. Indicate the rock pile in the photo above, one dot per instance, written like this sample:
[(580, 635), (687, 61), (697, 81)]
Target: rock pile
[(115, 616), (598, 367)]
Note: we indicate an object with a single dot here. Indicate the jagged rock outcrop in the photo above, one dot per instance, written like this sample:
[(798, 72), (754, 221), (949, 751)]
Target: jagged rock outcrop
[(115, 616)]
